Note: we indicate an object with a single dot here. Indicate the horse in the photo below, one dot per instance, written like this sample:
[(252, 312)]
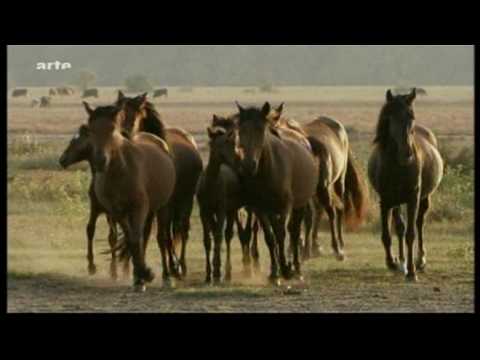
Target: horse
[(280, 176), (219, 195), (80, 149), (52, 92), (405, 167), (160, 93), (343, 191), (19, 92), (35, 103), (134, 180), (142, 116), (45, 101), (89, 93)]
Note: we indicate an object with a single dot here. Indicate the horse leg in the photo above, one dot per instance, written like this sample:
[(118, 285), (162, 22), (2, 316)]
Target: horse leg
[(386, 215), (279, 228), (308, 221), (317, 250), (163, 222), (245, 235), (217, 246), (400, 230), (92, 269), (255, 253), (207, 244), (271, 244), (228, 239), (294, 228), (147, 230), (184, 231), (112, 240), (422, 212), (412, 215), (340, 191), (327, 201)]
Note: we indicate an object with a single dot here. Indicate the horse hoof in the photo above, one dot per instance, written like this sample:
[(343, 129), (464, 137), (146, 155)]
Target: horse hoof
[(299, 277), (217, 280), (168, 283), (275, 281), (340, 256), (393, 265), (92, 269), (149, 275), (411, 278), (401, 267), (139, 288), (421, 264)]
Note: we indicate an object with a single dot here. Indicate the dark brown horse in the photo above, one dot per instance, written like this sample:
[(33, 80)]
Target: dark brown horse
[(404, 168), (281, 177), (134, 179), (80, 149), (141, 116), (219, 196)]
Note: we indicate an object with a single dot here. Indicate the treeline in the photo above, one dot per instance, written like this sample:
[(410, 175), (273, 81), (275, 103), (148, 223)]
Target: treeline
[(247, 65)]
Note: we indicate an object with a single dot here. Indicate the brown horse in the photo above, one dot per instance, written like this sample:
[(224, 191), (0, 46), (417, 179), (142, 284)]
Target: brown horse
[(343, 191), (219, 195), (404, 168), (80, 149), (141, 116), (281, 177), (134, 179)]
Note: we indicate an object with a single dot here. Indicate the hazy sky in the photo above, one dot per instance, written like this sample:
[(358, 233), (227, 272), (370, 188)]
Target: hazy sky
[(247, 65)]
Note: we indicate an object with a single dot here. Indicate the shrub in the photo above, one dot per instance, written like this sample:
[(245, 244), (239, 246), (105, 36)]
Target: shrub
[(138, 83)]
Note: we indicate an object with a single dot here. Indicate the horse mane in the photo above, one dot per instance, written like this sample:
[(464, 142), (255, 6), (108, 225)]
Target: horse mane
[(153, 123)]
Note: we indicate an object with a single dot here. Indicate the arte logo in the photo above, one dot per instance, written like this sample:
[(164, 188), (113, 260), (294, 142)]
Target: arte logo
[(54, 65)]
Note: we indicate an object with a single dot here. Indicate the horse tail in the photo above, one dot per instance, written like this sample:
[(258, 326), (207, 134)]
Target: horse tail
[(356, 195)]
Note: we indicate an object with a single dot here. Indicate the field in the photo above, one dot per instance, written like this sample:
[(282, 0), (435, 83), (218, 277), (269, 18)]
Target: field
[(48, 210)]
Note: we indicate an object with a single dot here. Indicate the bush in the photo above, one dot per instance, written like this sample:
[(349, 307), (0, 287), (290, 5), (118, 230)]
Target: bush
[(138, 83), (266, 88)]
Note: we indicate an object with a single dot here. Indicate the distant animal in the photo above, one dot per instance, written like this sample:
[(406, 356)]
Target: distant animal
[(160, 93), (35, 102), (90, 93), (80, 149), (65, 90), (19, 92), (405, 167), (52, 92), (142, 116), (135, 180), (45, 101)]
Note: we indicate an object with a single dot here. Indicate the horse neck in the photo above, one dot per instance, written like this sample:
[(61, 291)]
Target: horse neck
[(212, 171), (266, 158)]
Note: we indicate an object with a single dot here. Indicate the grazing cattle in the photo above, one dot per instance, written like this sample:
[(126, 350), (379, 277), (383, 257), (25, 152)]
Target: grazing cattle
[(45, 101), (142, 116), (19, 92), (405, 167), (160, 93), (80, 149), (135, 180), (90, 93), (52, 92), (280, 178)]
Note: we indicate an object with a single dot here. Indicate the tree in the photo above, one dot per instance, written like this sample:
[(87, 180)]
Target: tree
[(138, 83), (85, 79)]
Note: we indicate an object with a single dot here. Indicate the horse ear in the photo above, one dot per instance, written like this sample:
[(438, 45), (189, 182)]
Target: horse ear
[(240, 109), (280, 108), (389, 95), (142, 101), (411, 98), (266, 109), (88, 109), (215, 120), (210, 132), (121, 96)]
